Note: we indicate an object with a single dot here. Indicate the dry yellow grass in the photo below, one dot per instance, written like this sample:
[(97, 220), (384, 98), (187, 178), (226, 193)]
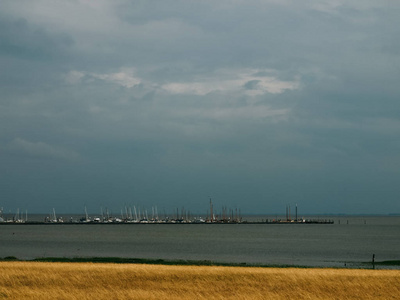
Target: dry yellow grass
[(34, 280)]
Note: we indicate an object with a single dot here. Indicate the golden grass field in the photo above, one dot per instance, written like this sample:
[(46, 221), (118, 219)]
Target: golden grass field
[(39, 280)]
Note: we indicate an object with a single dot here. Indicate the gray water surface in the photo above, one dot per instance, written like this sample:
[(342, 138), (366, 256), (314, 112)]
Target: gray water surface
[(301, 244)]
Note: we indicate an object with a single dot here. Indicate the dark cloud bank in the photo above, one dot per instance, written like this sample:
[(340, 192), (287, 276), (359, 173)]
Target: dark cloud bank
[(258, 104)]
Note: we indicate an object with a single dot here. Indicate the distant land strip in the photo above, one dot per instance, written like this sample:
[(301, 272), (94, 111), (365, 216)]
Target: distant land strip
[(122, 260)]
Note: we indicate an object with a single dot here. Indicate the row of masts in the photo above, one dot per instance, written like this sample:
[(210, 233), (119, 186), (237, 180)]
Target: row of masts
[(19, 217), (138, 215), (228, 215), (289, 218), (135, 214), (288, 214)]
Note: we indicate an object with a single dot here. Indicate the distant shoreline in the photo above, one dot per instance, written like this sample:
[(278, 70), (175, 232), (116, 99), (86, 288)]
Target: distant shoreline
[(149, 261)]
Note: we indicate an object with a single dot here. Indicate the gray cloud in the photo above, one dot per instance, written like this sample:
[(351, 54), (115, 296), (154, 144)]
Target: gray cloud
[(258, 103), (24, 40), (41, 150)]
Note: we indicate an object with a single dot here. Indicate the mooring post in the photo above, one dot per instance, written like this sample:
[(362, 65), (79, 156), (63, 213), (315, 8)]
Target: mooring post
[(373, 261)]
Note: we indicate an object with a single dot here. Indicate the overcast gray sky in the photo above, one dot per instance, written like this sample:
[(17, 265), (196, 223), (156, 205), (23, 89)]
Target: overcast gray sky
[(257, 104)]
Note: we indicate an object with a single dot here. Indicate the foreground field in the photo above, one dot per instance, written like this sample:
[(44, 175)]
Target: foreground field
[(38, 280)]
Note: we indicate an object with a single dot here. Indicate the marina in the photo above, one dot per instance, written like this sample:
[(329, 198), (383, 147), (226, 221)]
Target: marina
[(132, 215)]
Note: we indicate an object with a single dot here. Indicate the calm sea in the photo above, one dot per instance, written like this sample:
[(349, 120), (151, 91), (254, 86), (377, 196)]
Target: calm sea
[(350, 241)]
